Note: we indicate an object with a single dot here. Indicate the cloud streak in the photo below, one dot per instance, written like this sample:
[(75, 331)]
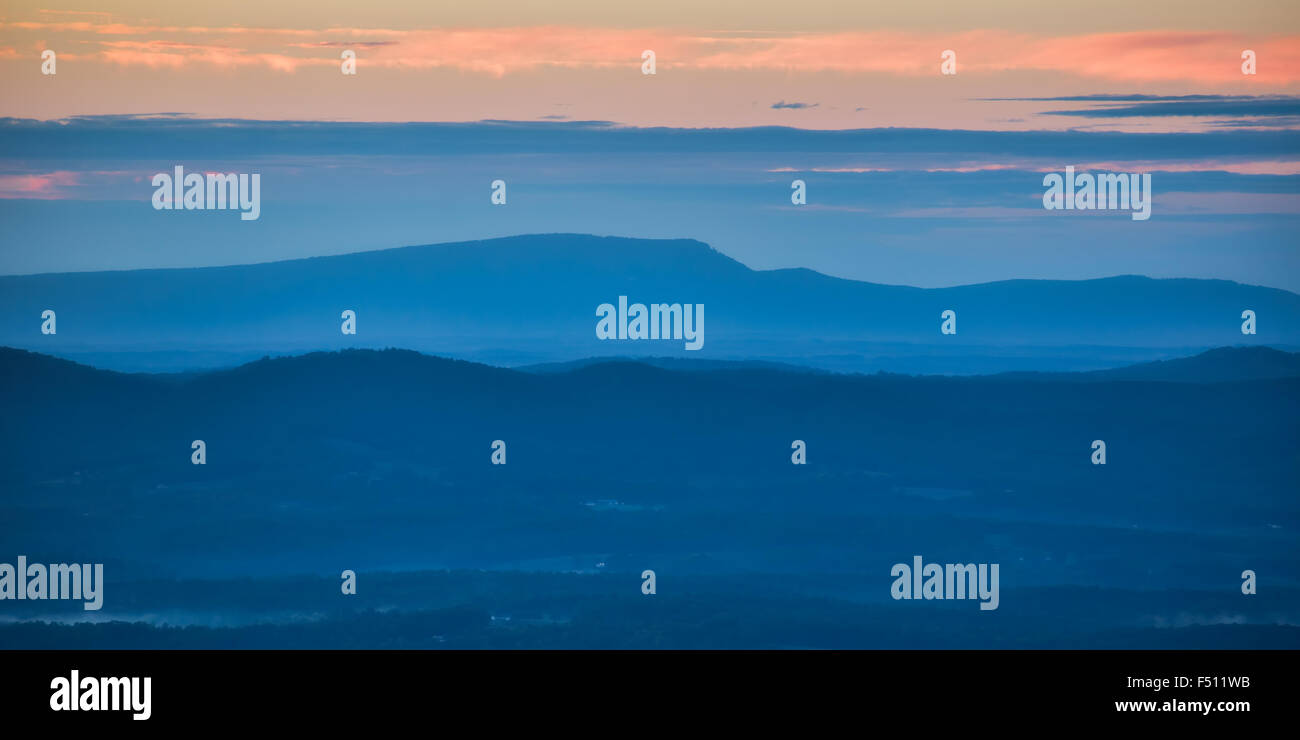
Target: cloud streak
[(1147, 56)]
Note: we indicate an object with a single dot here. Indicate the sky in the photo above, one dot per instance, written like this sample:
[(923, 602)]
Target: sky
[(913, 176), (832, 64)]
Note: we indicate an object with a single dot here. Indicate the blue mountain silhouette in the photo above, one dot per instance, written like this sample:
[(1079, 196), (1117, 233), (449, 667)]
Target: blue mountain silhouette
[(533, 299), (379, 460)]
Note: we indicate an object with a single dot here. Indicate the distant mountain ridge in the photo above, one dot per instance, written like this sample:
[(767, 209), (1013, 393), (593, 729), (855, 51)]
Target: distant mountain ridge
[(669, 363), (1220, 365), (382, 462), (532, 299), (1223, 364), (387, 452)]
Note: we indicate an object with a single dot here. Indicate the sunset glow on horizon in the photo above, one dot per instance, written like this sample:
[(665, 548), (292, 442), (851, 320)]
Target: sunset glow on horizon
[(793, 66)]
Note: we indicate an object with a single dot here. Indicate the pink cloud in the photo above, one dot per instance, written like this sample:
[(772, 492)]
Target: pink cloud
[(66, 184), (1190, 56), (174, 54), (1200, 56), (43, 186)]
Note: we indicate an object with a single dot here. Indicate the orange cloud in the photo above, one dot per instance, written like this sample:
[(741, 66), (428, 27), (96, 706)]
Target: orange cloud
[(1200, 56), (173, 54), (1190, 56)]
